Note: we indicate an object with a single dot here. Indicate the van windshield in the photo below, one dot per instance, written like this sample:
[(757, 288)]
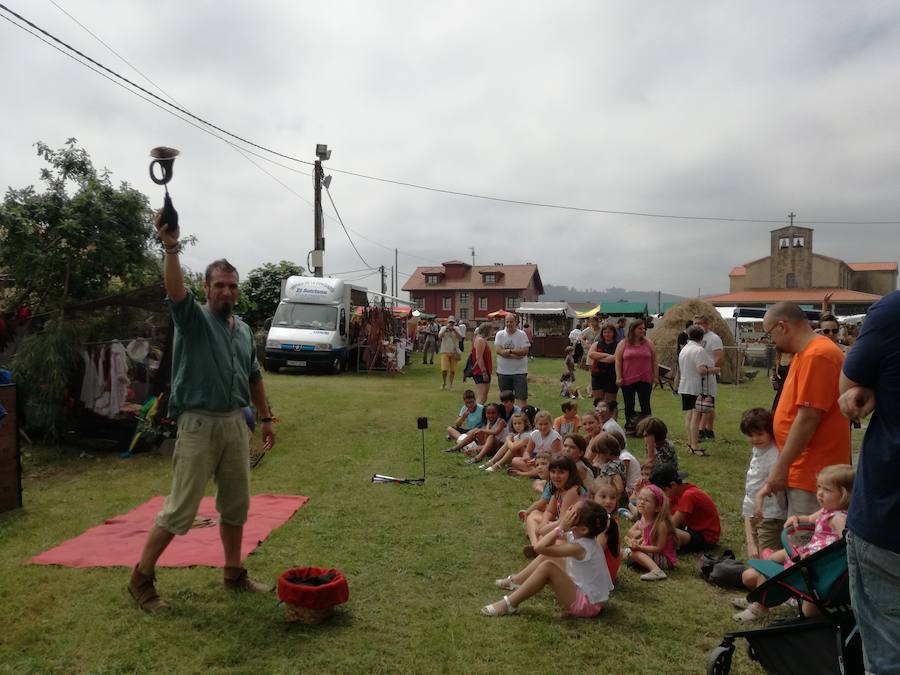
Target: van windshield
[(297, 315)]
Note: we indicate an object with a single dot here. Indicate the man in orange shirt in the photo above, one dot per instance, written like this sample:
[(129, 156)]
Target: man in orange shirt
[(809, 427)]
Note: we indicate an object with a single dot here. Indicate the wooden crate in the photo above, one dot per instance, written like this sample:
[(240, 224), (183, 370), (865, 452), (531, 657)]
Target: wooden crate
[(10, 460)]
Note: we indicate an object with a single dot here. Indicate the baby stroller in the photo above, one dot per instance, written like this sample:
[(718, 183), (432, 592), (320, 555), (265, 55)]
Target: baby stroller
[(824, 644)]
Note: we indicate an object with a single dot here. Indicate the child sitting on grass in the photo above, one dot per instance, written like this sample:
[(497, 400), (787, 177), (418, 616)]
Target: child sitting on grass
[(542, 438), (568, 422), (603, 454), (651, 540), (584, 586), (515, 444), (565, 489), (490, 436), (606, 495), (567, 386), (471, 416), (763, 533), (646, 470), (659, 448), (834, 487), (575, 446)]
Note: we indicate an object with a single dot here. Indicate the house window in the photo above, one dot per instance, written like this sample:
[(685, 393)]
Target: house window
[(482, 302), (791, 281), (463, 297), (799, 242), (784, 242), (448, 302), (432, 279), (418, 301), (512, 301), (490, 278), (463, 314)]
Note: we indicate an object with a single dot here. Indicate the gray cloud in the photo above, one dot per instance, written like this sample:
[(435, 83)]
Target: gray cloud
[(689, 108)]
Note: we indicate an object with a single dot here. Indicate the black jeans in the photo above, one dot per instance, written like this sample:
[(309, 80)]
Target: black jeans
[(642, 389)]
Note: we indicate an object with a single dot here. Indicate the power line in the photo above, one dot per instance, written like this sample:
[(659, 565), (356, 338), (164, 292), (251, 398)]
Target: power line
[(459, 193), (340, 220), (147, 92)]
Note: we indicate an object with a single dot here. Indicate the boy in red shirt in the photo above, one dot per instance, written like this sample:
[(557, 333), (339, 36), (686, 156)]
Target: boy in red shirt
[(694, 513)]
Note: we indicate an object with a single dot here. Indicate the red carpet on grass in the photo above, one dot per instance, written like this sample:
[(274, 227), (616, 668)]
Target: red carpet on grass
[(118, 542)]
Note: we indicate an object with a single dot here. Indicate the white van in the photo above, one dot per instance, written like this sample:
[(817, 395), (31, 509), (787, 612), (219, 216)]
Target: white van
[(311, 327)]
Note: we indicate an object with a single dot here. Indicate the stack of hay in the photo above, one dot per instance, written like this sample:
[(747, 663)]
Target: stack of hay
[(666, 331)]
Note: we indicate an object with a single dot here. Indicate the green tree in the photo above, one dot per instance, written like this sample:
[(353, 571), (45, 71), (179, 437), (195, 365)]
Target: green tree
[(262, 289), (79, 238)]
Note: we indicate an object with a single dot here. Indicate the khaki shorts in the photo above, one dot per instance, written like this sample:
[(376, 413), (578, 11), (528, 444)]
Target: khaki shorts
[(209, 445), (766, 533), (449, 361)]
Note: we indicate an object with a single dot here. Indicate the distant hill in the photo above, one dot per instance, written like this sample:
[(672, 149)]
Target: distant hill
[(614, 294)]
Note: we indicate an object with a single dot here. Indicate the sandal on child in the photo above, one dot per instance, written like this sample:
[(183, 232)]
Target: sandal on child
[(506, 583), (490, 610), (752, 613)]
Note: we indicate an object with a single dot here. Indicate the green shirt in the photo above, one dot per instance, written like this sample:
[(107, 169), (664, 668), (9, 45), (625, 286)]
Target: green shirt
[(213, 364)]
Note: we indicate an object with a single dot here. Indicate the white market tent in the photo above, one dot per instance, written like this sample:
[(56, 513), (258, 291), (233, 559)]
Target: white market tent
[(539, 308)]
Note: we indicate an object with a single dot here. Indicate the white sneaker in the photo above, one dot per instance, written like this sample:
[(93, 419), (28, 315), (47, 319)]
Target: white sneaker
[(655, 575), (740, 602), (491, 469), (753, 613)]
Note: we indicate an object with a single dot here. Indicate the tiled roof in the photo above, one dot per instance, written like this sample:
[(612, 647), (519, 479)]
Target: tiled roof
[(513, 277), (738, 271), (798, 295), (873, 266)]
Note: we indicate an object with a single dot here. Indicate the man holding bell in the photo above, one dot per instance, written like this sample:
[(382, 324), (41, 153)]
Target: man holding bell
[(215, 373)]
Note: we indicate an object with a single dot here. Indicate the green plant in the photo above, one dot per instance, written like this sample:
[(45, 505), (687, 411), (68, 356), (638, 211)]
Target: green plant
[(46, 366)]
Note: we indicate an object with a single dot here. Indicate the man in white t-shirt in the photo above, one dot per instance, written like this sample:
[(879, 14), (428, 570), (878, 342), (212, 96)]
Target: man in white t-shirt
[(511, 346), (461, 327), (712, 343)]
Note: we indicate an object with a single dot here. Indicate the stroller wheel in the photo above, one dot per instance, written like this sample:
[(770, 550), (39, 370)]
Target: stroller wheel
[(719, 661)]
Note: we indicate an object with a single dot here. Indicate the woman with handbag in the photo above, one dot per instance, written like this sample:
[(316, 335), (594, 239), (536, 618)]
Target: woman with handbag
[(696, 367), (480, 366)]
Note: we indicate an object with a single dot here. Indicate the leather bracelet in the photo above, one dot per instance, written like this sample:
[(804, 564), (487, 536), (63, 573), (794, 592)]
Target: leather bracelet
[(265, 420), (172, 250)]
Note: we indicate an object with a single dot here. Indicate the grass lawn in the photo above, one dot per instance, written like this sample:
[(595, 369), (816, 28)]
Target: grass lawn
[(420, 560)]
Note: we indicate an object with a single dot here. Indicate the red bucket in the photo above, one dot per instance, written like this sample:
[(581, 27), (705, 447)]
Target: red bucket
[(311, 604)]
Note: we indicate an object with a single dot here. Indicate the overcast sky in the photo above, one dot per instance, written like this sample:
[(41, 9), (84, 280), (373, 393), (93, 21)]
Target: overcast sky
[(686, 108)]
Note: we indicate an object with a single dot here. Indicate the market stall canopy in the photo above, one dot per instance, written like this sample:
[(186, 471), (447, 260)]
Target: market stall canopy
[(588, 313), (399, 312), (499, 314), (638, 309), (546, 308)]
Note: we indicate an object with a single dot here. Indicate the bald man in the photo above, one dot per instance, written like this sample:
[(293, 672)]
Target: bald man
[(809, 427)]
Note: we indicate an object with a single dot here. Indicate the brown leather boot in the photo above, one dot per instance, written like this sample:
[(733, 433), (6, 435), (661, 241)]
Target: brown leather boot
[(142, 589), (237, 579)]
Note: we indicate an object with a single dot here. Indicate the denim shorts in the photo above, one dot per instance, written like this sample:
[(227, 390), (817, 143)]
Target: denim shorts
[(875, 595)]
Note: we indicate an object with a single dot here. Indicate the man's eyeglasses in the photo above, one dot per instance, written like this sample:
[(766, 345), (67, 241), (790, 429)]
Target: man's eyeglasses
[(768, 333)]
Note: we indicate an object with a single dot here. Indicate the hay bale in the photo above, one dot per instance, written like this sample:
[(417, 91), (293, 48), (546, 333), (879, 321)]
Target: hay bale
[(665, 334)]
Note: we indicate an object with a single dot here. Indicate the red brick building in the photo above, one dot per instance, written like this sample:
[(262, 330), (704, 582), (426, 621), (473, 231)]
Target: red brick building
[(471, 293)]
